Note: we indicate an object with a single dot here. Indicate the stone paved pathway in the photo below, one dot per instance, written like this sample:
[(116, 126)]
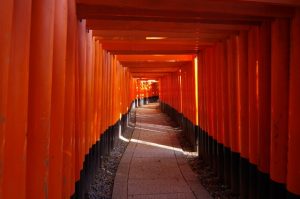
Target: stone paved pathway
[(153, 165)]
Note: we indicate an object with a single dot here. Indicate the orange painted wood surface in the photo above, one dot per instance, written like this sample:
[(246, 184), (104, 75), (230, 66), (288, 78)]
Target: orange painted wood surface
[(15, 159), (232, 46), (58, 100), (214, 111), (39, 99), (81, 76), (236, 110), (253, 94), (243, 94), (68, 170), (264, 96), (219, 106), (209, 92), (280, 64), (225, 97), (70, 69), (182, 85), (6, 18), (293, 174)]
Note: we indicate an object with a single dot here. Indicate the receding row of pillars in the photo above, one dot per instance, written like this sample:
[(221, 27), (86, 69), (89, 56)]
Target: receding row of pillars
[(248, 97)]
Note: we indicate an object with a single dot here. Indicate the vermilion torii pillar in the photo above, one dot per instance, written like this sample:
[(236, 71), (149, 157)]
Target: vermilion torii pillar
[(39, 107), (58, 99), (280, 61), (293, 166), (264, 107), (17, 104), (6, 18), (68, 171)]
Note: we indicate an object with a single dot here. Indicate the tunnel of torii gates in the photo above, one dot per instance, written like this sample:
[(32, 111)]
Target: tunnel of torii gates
[(227, 71)]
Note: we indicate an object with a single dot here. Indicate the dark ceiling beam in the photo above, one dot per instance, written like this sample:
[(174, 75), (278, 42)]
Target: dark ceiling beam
[(189, 27), (150, 46), (153, 70), (126, 34), (149, 75), (155, 58), (153, 52), (167, 41), (117, 25), (275, 2), (196, 7), (171, 33), (214, 20), (128, 14), (153, 64)]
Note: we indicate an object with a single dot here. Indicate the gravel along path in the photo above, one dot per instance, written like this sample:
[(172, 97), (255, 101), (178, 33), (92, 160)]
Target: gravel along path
[(102, 186), (104, 180), (207, 177)]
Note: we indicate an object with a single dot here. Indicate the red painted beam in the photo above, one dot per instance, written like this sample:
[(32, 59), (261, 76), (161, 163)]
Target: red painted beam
[(162, 26), (204, 6)]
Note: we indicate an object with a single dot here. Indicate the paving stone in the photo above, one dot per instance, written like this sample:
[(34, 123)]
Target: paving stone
[(156, 186), (164, 196), (155, 161)]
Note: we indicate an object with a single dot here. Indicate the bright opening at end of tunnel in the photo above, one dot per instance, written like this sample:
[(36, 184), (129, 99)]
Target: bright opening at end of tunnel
[(155, 38), (149, 81)]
